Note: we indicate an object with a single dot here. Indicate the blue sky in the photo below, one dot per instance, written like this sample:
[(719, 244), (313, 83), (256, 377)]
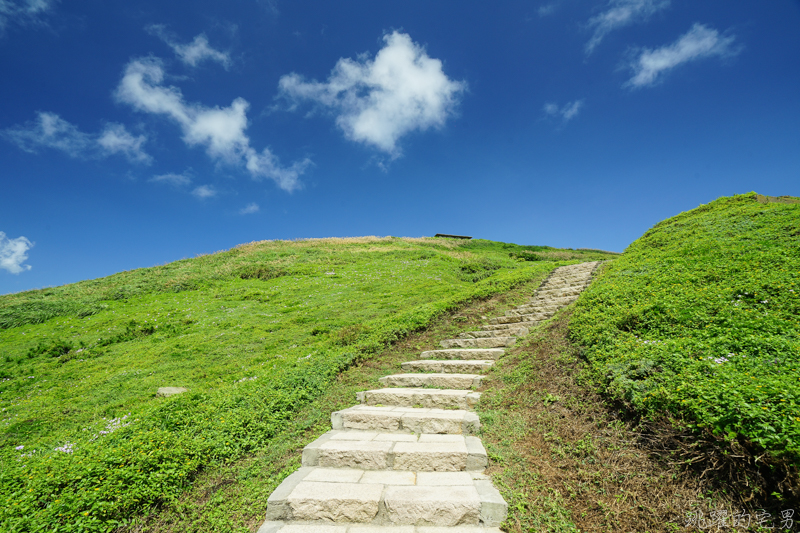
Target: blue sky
[(137, 134)]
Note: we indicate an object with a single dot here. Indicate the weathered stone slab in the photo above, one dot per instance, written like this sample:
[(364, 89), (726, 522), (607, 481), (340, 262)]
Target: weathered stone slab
[(335, 502), (418, 397), (464, 354), (435, 506), (170, 391), (440, 380), (366, 455), (494, 508), (452, 479), (487, 342), (455, 366), (430, 456)]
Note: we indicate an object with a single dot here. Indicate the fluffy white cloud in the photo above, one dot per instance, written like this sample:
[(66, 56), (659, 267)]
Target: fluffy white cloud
[(193, 53), (249, 209), (22, 11), (220, 130), (177, 180), (566, 112), (620, 13), (115, 139), (204, 191), (13, 252), (51, 131), (378, 101), (699, 42)]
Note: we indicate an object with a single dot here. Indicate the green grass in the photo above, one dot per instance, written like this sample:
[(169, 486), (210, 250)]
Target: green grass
[(699, 320), (255, 333)]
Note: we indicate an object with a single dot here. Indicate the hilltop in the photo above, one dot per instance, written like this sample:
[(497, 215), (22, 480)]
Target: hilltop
[(254, 334)]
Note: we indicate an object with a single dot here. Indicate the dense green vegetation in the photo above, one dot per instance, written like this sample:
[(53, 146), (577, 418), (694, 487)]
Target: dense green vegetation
[(254, 333), (699, 319)]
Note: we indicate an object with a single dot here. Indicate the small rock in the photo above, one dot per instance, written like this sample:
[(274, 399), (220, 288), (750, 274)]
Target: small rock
[(170, 391)]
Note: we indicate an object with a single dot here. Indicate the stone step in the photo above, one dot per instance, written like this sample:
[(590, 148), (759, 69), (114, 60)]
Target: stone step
[(511, 332), (511, 319), (558, 292), (291, 527), (505, 327), (418, 397), (352, 496), (454, 366), (406, 420), (488, 342), (534, 312), (464, 353), (439, 380), (396, 451)]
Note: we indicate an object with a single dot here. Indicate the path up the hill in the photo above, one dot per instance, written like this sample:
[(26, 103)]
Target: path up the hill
[(407, 459)]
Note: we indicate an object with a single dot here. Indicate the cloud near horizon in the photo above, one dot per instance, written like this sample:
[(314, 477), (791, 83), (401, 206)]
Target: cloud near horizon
[(698, 43), (49, 130), (378, 101), (193, 53), (13, 252), (220, 130), (621, 13)]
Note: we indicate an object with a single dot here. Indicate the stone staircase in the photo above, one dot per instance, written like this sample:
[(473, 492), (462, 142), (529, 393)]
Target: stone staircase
[(407, 458)]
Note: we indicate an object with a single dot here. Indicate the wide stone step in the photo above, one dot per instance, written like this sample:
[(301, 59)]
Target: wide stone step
[(533, 312), (418, 397), (291, 527), (506, 327), (347, 496), (396, 451), (406, 420), (512, 319), (454, 366), (439, 380), (464, 353), (510, 332), (488, 342), (558, 293)]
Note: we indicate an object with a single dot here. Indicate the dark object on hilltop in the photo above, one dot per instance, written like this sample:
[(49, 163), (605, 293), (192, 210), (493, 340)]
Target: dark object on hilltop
[(452, 236)]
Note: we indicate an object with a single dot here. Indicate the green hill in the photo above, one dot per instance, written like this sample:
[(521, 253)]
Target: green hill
[(254, 333), (698, 320)]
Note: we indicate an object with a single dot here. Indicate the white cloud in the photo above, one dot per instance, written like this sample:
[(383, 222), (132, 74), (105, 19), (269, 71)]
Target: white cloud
[(620, 13), (204, 191), (249, 209), (193, 53), (13, 252), (22, 11), (220, 130), (51, 131), (116, 139), (177, 180), (699, 42), (566, 112), (378, 101), (548, 9)]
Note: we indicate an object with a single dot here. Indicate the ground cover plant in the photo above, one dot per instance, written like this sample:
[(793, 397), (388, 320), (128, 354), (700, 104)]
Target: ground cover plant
[(566, 460), (254, 333), (698, 322), (232, 497)]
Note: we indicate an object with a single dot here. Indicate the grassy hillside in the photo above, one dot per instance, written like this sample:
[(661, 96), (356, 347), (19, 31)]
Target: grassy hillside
[(699, 320), (254, 333)]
